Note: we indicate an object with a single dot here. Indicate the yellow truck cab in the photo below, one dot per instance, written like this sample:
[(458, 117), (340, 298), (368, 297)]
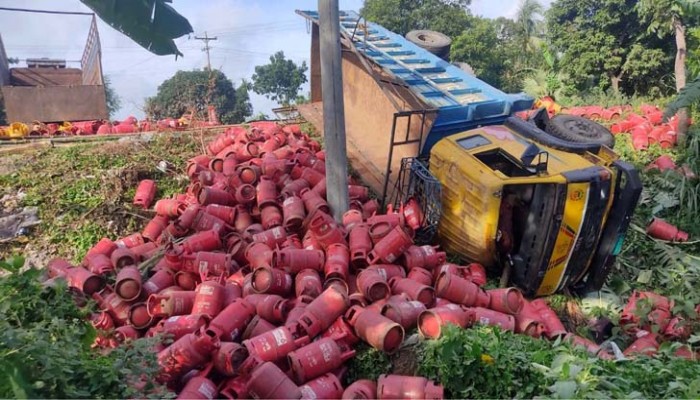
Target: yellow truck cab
[(552, 211)]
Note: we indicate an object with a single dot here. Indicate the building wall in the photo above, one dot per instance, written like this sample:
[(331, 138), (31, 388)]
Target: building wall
[(55, 103)]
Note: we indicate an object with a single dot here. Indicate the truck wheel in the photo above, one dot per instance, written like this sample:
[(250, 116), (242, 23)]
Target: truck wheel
[(435, 42), (579, 130)]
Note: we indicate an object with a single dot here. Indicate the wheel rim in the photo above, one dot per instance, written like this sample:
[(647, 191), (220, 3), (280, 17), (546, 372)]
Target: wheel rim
[(580, 128)]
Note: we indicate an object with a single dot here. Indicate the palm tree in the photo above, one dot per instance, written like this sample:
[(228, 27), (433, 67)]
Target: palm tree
[(528, 18)]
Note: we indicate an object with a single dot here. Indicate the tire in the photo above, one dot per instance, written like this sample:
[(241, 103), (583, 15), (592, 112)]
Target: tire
[(579, 130), (435, 42)]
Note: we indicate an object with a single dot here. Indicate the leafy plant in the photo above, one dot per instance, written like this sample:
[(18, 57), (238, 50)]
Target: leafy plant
[(368, 363), (45, 345), (280, 80), (485, 362)]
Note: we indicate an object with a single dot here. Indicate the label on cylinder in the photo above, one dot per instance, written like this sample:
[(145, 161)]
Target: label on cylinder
[(417, 304), (326, 351), (382, 272), (288, 201), (428, 250), (150, 286), (280, 338), (277, 232), (390, 257), (484, 320), (206, 390), (206, 289), (173, 319), (452, 306), (307, 392)]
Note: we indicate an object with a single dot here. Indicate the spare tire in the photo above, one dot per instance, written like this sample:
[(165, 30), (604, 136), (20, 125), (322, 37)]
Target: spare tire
[(435, 42), (579, 130)]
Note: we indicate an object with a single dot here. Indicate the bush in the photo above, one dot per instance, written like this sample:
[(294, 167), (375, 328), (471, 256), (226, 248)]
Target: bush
[(45, 346)]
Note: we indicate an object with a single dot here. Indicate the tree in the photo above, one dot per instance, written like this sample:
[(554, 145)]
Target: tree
[(666, 16), (113, 100), (188, 90), (491, 48), (601, 43), (243, 108), (401, 16), (280, 80), (528, 18)]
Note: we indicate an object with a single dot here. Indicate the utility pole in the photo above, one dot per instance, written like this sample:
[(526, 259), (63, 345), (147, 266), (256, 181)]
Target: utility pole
[(333, 108), (206, 47)]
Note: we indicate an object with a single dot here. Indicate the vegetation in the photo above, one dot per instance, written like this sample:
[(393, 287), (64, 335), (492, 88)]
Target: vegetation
[(45, 345), (280, 80), (401, 16), (85, 191), (192, 91), (111, 97)]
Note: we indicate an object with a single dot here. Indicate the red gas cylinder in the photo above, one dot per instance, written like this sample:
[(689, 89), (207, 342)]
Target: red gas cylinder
[(271, 237), (232, 320), (485, 316), (295, 260), (181, 325), (460, 291), (361, 389), (126, 332), (323, 311), (527, 321), (273, 308), (360, 246), (209, 298), (224, 213), (84, 280), (185, 354), (377, 330), (351, 219), (128, 283), (317, 358), (313, 202), (389, 271), (308, 283), (272, 281), (99, 264), (235, 388), (413, 214), (271, 216), (640, 136), (209, 195), (477, 274), (506, 300), (268, 381), (145, 193), (407, 387), (324, 229), (553, 327), (677, 329), (430, 322), (342, 332), (117, 308), (243, 218), (104, 246), (645, 344), (155, 228), (123, 257), (229, 358), (391, 247), (414, 290), (258, 255), (275, 344), (131, 241), (326, 386), (661, 229), (202, 241), (337, 262), (295, 187), (405, 313), (199, 388), (423, 257), (138, 316), (256, 327), (373, 285), (178, 302), (420, 275), (294, 213), (145, 251)]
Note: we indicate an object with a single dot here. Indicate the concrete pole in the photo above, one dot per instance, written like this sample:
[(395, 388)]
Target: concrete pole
[(333, 108)]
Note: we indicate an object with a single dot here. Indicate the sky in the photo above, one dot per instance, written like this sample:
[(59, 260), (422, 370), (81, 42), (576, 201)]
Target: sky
[(248, 33)]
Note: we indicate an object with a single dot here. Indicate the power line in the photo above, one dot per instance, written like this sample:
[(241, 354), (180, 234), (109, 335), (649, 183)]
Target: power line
[(45, 11), (206, 39)]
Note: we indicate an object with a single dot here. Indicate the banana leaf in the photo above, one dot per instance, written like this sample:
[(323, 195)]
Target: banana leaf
[(153, 24)]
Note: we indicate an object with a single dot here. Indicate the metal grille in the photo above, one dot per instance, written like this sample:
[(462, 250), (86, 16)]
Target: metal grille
[(415, 180)]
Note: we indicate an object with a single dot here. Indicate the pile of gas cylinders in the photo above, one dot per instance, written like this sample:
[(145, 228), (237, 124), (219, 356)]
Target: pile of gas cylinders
[(258, 292)]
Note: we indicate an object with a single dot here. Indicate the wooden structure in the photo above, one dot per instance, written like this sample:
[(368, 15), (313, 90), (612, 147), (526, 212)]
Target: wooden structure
[(47, 91)]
